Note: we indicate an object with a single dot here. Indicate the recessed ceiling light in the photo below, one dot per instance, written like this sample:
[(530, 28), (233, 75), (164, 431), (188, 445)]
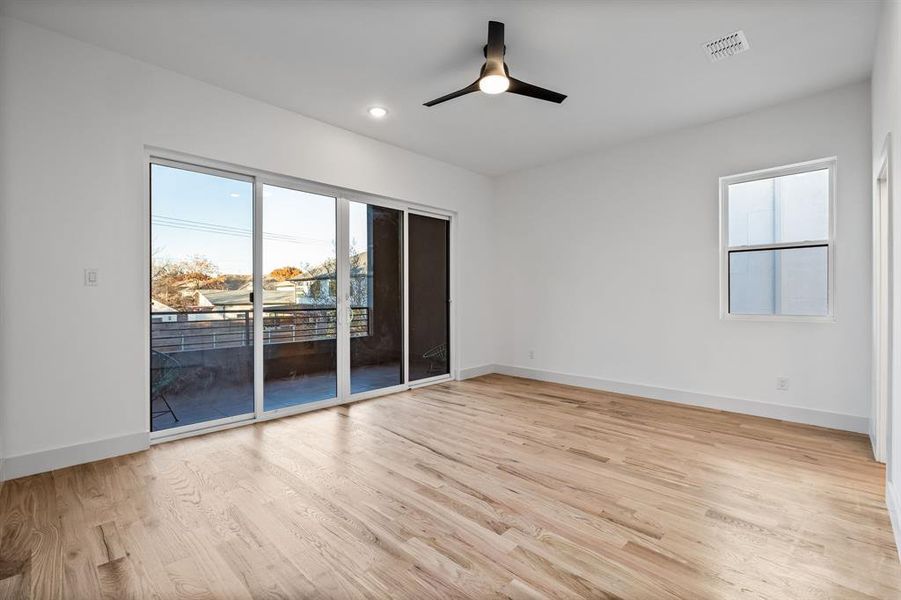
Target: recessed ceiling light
[(235, 195), (377, 112)]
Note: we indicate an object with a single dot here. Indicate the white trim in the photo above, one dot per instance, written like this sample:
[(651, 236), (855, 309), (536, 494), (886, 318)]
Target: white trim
[(201, 428), (784, 412), (779, 245), (829, 163), (781, 171), (170, 433), (406, 299), (430, 380), (146, 271), (893, 503), (343, 313), (780, 318), (258, 367), (453, 283), (215, 171), (370, 394), (58, 458), (430, 213), (470, 372), (882, 303)]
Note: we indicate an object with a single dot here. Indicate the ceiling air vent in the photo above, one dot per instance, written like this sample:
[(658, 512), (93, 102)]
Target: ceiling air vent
[(726, 46)]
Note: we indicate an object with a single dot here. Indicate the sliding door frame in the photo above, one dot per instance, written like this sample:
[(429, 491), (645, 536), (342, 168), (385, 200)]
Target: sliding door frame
[(206, 168), (343, 196), (451, 371), (260, 181)]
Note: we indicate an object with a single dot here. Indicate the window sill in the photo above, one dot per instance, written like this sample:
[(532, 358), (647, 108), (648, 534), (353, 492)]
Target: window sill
[(779, 318)]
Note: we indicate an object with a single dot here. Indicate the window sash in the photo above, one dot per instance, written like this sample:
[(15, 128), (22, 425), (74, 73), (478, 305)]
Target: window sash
[(726, 250), (785, 246)]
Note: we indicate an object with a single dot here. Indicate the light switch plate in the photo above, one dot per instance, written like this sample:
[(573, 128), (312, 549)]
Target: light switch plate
[(91, 277)]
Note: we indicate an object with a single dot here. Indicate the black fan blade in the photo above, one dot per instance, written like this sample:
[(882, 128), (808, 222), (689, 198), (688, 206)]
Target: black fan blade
[(473, 87), (533, 91), (494, 52)]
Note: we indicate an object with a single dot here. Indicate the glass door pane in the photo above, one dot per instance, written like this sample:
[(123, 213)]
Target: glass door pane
[(429, 289), (376, 297), (300, 329), (201, 329)]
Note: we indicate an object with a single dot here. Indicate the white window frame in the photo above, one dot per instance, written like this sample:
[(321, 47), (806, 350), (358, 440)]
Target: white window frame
[(793, 169)]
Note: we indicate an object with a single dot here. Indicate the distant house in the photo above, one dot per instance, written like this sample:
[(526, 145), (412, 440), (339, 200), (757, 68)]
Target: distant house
[(318, 284), (158, 307), (285, 286), (238, 300)]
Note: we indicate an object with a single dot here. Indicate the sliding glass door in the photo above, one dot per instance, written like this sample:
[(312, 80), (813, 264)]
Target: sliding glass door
[(201, 307), (429, 285), (270, 296), (300, 301), (375, 260)]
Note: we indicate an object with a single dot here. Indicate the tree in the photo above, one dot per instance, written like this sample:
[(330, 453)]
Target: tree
[(285, 273), (175, 282)]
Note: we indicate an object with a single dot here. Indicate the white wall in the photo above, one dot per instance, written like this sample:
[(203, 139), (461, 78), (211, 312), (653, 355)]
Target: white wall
[(886, 113), (74, 121), (610, 269), (605, 266)]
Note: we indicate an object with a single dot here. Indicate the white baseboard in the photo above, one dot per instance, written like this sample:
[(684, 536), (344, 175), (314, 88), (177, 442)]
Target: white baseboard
[(872, 435), (796, 414), (58, 458), (471, 372), (893, 502)]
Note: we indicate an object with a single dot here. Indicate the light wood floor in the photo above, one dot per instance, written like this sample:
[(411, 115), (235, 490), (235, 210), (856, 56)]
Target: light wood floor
[(494, 487)]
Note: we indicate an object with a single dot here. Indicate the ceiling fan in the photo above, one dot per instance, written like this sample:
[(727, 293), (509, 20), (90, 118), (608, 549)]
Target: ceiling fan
[(495, 76)]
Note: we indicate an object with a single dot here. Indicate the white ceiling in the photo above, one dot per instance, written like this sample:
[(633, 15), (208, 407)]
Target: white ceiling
[(630, 69)]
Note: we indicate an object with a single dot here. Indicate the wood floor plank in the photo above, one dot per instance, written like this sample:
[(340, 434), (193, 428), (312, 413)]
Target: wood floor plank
[(46, 552), (494, 487)]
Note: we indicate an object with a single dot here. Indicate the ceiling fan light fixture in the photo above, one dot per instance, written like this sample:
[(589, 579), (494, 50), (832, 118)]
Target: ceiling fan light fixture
[(494, 84), (494, 78)]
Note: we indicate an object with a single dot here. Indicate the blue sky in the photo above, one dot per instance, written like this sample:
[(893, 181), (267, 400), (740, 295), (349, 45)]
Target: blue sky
[(211, 216)]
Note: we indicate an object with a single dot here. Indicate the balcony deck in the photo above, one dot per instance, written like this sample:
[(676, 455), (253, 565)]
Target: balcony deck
[(197, 406), (202, 362)]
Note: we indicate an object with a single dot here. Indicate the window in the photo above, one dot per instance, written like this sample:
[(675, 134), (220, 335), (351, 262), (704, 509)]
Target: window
[(777, 242)]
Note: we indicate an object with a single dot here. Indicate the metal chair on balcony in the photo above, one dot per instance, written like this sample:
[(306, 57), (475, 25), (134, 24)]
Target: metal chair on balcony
[(437, 357), (161, 378)]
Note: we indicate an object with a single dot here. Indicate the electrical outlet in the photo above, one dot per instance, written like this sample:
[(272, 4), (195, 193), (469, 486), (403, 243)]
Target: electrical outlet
[(531, 355), (782, 384)]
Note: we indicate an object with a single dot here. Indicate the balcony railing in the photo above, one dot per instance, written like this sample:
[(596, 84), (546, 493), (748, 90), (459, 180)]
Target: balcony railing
[(173, 331)]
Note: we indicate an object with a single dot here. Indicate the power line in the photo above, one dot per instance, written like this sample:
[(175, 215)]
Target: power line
[(206, 227)]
